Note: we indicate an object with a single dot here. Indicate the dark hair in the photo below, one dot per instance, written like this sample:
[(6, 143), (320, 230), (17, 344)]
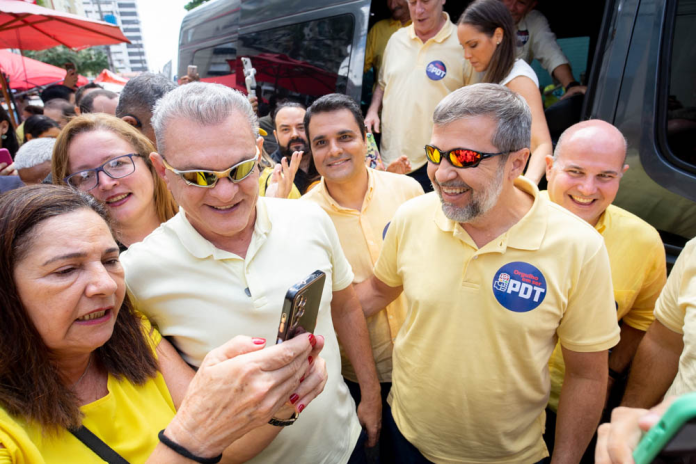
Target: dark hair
[(487, 16), (140, 95), (285, 104), (81, 91), (64, 106), (37, 125), (10, 142), (56, 91), (87, 103), (32, 386), (33, 109), (335, 102)]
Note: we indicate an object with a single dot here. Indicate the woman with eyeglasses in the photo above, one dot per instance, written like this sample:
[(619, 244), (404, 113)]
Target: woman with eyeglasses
[(107, 158), (487, 34)]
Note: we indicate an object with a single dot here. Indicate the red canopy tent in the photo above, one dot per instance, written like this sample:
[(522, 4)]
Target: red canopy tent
[(24, 73), (31, 27), (108, 77)]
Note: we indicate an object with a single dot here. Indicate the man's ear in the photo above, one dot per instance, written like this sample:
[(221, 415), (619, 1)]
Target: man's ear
[(519, 161), (259, 144), (131, 120), (625, 168), (78, 111), (158, 163), (549, 165)]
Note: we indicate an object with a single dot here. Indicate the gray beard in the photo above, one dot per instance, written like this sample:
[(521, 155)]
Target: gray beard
[(481, 202)]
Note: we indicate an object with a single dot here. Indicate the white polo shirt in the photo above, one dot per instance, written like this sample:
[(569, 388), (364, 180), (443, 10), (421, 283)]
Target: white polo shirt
[(201, 296)]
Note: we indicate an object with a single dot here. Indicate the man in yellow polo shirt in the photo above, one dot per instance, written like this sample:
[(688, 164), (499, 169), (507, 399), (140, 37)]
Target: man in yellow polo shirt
[(494, 274), (583, 177), (422, 64), (361, 203), (380, 33), (665, 364)]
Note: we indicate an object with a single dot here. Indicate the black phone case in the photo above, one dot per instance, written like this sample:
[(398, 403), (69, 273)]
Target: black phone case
[(301, 307)]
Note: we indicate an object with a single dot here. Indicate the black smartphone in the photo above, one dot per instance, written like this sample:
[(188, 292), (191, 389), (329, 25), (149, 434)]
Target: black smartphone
[(301, 307)]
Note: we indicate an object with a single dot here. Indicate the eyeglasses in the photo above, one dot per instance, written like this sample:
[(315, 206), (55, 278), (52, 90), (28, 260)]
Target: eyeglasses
[(116, 168), (459, 157), (208, 179)]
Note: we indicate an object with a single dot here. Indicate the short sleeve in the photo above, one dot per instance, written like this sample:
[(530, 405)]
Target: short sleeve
[(151, 334), (382, 77), (641, 314), (386, 268), (589, 323), (18, 447), (342, 272), (544, 45), (370, 49), (667, 309)]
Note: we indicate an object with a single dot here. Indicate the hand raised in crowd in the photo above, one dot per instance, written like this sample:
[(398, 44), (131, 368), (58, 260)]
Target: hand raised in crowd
[(188, 79), (70, 79), (254, 103), (6, 170), (372, 121), (617, 439), (240, 386), (281, 181), (401, 165), (574, 90), (370, 417)]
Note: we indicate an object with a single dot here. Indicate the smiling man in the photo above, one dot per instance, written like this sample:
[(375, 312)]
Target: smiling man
[(222, 266), (583, 177), (422, 64), (361, 203), (488, 297)]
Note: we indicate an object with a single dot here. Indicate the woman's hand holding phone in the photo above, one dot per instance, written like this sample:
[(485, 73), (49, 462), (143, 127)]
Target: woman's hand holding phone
[(8, 170)]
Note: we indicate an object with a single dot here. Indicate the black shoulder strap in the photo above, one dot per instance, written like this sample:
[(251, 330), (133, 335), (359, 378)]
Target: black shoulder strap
[(100, 448)]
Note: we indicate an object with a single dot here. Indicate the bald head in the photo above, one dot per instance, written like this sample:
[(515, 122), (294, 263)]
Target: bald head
[(584, 173), (594, 135)]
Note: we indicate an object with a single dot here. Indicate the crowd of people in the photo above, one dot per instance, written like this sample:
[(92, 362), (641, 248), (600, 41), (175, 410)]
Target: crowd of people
[(150, 237)]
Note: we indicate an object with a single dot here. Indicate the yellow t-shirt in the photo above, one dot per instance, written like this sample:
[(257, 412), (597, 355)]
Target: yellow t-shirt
[(263, 182), (127, 419), (470, 378), (361, 234), (676, 310), (638, 273), (415, 76), (377, 40)]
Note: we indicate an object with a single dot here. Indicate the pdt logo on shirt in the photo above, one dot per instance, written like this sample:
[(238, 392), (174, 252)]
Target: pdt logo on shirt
[(522, 38), (436, 70), (519, 287)]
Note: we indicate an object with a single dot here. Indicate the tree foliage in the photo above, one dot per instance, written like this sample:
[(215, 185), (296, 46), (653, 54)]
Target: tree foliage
[(89, 61), (194, 3)]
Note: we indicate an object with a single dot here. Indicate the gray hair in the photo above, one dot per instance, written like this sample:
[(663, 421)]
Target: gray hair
[(203, 104), (507, 108), (141, 93), (34, 152)]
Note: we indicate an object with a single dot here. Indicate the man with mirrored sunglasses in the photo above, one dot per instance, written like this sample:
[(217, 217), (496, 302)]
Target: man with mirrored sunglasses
[(493, 274), (222, 267)]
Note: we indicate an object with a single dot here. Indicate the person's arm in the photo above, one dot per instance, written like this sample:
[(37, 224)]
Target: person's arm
[(372, 121), (654, 367), (564, 74), (351, 328), (374, 295), (580, 404), (541, 138), (237, 389), (622, 354)]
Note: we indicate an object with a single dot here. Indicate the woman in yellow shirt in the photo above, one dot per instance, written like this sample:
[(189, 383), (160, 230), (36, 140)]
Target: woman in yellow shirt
[(77, 359)]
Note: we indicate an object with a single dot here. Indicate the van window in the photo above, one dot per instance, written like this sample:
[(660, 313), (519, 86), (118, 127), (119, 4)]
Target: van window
[(303, 60), (215, 61), (680, 127)]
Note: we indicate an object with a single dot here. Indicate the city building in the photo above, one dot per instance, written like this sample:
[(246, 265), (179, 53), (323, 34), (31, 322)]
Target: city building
[(124, 58)]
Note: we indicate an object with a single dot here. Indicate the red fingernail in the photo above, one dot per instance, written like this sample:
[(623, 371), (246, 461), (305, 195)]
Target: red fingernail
[(312, 340), (302, 379), (294, 398), (310, 359), (259, 341), (300, 408)]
